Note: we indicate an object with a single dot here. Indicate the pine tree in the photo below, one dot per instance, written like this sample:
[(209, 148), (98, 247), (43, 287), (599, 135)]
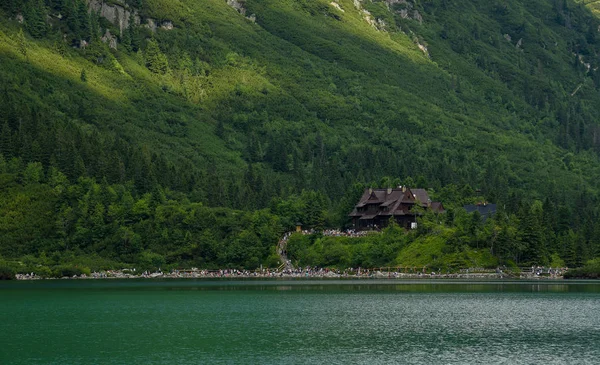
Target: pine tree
[(83, 18), (532, 236), (277, 154), (22, 43), (25, 150), (36, 151), (568, 248), (54, 5), (79, 167), (10, 6), (595, 241), (156, 61), (126, 39), (220, 129), (94, 27), (6, 147), (3, 164), (35, 18), (134, 33), (70, 15)]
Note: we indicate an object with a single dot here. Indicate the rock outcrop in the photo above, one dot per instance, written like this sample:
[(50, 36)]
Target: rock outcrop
[(239, 6), (405, 8), (151, 24), (337, 6), (110, 39), (118, 15), (423, 48), (167, 25), (369, 18)]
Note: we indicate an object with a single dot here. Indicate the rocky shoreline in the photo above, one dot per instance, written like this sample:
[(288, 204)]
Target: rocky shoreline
[(290, 274)]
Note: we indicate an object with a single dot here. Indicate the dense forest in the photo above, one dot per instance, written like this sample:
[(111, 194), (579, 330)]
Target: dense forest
[(157, 133)]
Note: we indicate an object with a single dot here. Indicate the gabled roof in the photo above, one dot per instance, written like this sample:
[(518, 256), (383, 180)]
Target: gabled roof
[(385, 197), (374, 197), (437, 207), (392, 197), (390, 202), (422, 196), (404, 204)]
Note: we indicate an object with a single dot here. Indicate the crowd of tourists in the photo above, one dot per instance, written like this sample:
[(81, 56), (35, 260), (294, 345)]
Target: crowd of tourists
[(346, 233), (539, 271), (313, 272), (331, 233), (281, 247)]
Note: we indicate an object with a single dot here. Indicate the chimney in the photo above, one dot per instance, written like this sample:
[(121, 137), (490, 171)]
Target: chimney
[(404, 189), (389, 191), (370, 190)]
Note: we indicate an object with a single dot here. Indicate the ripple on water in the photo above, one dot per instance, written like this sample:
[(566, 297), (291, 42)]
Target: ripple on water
[(319, 324)]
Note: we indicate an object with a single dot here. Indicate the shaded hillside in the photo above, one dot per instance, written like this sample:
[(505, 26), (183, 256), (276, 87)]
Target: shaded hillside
[(246, 104)]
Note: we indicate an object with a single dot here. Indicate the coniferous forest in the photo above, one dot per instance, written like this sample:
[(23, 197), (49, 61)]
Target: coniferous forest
[(195, 133)]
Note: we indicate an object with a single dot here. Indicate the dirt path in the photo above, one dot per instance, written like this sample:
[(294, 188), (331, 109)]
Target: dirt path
[(282, 252)]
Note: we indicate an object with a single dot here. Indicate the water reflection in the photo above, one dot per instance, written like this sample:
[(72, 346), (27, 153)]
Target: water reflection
[(347, 285), (299, 322)]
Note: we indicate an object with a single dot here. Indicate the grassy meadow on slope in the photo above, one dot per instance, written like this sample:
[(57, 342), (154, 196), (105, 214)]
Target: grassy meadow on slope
[(287, 114)]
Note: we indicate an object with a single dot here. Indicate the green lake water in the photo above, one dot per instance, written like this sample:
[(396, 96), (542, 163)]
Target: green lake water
[(299, 322)]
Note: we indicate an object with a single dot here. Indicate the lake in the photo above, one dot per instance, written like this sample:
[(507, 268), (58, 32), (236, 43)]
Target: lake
[(299, 322)]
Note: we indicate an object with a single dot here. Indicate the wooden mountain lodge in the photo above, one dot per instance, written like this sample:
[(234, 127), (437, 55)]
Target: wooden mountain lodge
[(377, 206)]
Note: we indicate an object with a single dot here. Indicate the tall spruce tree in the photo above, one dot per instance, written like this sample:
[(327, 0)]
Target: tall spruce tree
[(6, 147), (83, 19), (156, 61), (35, 18)]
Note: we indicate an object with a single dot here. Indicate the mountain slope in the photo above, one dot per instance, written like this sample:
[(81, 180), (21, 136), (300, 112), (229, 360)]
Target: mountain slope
[(242, 110)]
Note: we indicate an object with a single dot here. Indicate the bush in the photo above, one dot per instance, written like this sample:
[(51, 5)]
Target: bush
[(7, 273), (70, 271), (272, 260), (151, 261), (586, 272), (43, 271)]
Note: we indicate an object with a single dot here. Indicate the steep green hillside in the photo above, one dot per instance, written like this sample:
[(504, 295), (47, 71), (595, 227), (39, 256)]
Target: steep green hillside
[(246, 104)]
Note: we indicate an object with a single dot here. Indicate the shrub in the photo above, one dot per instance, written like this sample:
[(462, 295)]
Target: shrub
[(586, 272), (7, 273), (70, 271), (151, 261)]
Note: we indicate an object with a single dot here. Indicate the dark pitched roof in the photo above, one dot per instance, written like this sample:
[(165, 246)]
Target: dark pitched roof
[(437, 207), (397, 201), (379, 196), (422, 196), (384, 203), (484, 209)]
